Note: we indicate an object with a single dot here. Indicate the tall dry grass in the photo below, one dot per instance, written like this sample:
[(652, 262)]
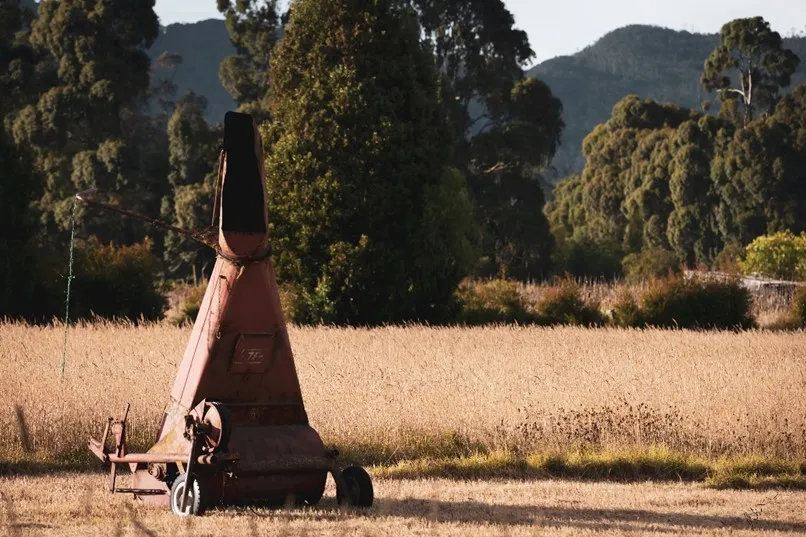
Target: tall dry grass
[(404, 391)]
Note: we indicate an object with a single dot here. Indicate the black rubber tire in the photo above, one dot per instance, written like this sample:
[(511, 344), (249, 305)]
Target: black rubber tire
[(196, 504), (360, 485)]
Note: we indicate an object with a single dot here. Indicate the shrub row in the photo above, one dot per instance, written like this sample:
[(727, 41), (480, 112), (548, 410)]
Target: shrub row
[(676, 301), (777, 255), (672, 301), (798, 310), (113, 281), (107, 281)]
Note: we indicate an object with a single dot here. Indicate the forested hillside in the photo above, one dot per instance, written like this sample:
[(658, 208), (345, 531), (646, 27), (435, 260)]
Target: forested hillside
[(203, 46), (651, 62), (662, 180)]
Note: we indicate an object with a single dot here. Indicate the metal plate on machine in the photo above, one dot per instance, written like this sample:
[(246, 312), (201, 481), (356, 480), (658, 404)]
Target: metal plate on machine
[(253, 353)]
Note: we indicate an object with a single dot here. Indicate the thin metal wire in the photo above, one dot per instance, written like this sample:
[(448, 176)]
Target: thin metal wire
[(207, 236), (69, 280)]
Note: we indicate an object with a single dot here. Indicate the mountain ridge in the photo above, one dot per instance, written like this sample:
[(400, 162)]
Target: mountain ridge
[(650, 61), (203, 45)]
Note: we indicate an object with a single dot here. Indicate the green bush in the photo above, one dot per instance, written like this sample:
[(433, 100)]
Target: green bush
[(729, 259), (115, 282), (310, 307), (491, 301), (798, 307), (649, 263), (563, 304), (677, 301), (289, 301), (781, 255), (626, 312), (191, 303), (583, 257)]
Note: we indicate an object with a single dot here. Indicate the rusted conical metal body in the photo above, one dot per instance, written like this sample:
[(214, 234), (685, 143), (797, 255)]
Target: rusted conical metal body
[(239, 353), (235, 428)]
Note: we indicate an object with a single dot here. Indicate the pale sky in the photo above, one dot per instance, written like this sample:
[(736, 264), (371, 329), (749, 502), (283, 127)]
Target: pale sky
[(562, 27)]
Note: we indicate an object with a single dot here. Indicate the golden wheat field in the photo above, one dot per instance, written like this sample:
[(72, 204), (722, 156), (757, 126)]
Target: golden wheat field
[(399, 388), (397, 393)]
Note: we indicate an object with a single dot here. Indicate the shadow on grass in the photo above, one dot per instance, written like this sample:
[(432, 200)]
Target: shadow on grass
[(658, 465), (34, 468), (552, 516), (583, 518), (651, 465)]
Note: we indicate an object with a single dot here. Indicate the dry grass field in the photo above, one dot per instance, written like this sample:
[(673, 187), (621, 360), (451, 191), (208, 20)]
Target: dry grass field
[(419, 403), (76, 505), (399, 392)]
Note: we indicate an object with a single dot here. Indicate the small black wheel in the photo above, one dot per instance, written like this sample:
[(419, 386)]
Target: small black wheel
[(359, 483), (194, 505)]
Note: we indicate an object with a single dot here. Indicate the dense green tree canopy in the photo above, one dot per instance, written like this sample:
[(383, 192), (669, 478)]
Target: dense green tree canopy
[(83, 128), (19, 183), (505, 182), (661, 176), (500, 124), (479, 51), (192, 145), (365, 219), (625, 182), (761, 173), (646, 184), (17, 58), (405, 149), (505, 128), (17, 188)]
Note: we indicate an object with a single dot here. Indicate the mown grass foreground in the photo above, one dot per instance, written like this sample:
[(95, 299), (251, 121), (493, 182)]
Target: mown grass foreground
[(78, 505), (722, 408)]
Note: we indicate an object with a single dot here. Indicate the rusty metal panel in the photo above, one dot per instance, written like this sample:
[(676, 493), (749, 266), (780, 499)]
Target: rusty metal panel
[(253, 353), (269, 413)]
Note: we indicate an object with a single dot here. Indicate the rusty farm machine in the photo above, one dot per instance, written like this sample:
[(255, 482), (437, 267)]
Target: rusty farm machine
[(234, 429)]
